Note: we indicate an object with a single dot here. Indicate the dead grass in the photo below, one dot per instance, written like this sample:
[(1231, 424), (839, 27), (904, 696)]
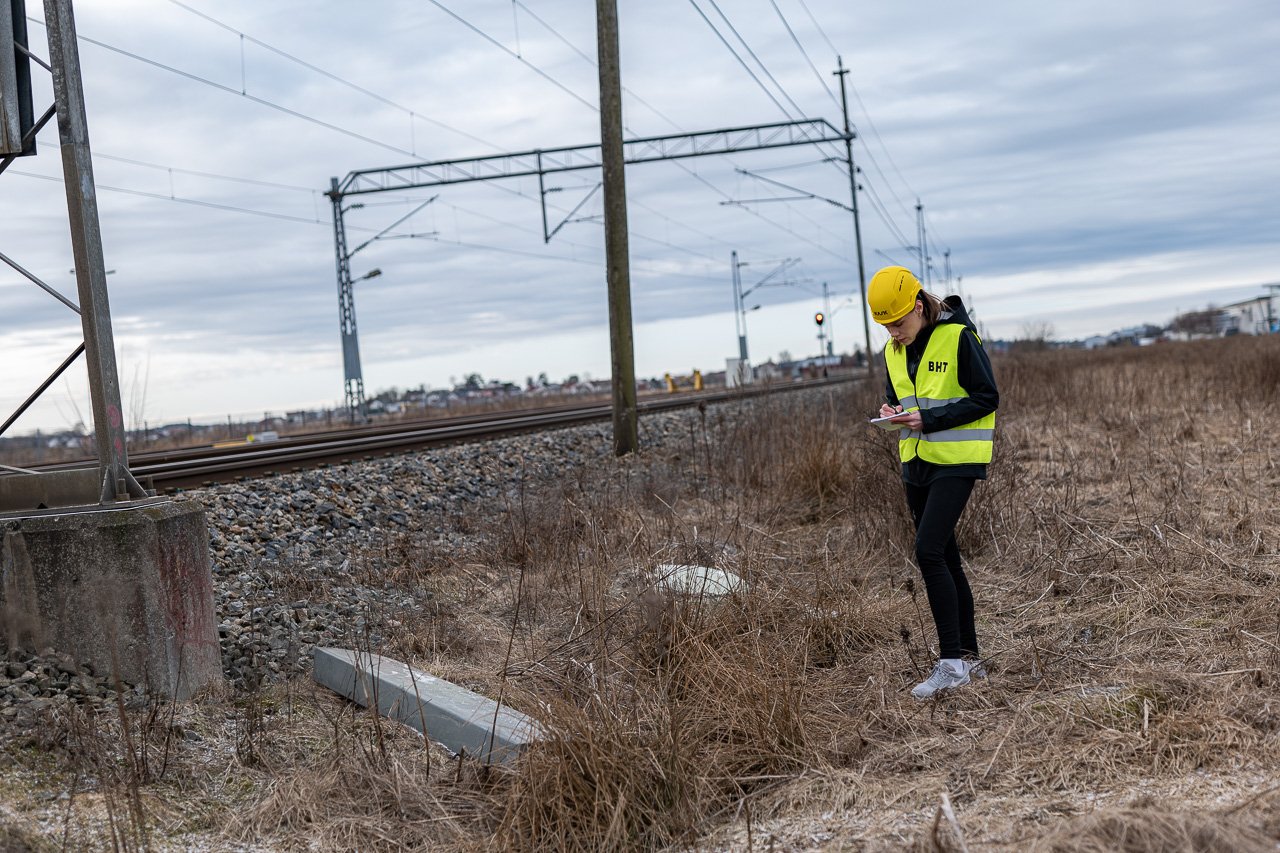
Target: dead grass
[(1151, 828), (1124, 557)]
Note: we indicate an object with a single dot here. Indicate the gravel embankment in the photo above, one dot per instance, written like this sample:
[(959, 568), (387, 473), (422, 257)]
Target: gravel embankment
[(326, 530)]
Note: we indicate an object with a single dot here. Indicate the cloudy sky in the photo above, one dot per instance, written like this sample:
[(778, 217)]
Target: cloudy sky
[(1086, 164)]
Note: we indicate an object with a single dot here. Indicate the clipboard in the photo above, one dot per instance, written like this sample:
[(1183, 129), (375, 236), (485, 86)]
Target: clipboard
[(886, 423)]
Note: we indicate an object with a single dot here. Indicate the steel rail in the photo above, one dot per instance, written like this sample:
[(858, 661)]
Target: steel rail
[(176, 470)]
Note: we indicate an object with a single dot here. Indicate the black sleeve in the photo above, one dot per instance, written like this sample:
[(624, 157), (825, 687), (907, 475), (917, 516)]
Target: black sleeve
[(889, 393), (975, 377)]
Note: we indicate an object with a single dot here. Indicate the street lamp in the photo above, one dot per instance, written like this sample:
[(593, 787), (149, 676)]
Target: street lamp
[(373, 273), (740, 295)]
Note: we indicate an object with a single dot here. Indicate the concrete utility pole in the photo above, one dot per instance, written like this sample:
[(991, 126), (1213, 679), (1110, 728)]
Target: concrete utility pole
[(840, 72), (86, 244), (626, 432)]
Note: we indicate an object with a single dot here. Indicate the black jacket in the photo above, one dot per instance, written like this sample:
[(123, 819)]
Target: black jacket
[(975, 377)]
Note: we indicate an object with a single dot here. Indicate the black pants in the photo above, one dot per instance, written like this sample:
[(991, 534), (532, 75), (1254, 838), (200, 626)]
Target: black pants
[(936, 508)]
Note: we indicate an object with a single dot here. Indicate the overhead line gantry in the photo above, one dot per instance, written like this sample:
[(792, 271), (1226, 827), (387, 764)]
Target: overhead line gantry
[(539, 163)]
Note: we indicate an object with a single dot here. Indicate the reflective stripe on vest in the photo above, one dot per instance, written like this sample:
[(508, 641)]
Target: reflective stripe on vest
[(936, 385)]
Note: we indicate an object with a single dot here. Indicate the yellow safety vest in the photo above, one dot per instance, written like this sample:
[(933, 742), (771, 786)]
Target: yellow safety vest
[(936, 385)]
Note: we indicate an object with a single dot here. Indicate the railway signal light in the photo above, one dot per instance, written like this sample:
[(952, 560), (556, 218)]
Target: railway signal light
[(819, 318)]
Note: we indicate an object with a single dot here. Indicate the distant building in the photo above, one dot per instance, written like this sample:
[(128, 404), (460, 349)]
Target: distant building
[(1257, 316)]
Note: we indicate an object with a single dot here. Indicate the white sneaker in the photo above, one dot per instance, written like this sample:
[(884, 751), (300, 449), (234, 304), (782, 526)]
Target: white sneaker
[(947, 673), (976, 669)]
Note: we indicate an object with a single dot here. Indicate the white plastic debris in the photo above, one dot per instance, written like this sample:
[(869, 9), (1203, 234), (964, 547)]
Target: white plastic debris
[(698, 580)]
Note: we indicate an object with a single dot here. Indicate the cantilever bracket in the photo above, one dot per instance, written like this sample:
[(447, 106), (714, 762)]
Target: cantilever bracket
[(547, 235)]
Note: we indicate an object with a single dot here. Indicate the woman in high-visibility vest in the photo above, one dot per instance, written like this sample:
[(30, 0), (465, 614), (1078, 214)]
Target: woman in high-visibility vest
[(940, 380)]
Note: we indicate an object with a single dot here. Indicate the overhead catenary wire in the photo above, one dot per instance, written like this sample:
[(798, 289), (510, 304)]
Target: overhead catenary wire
[(99, 155), (330, 75), (866, 114), (741, 61), (818, 26), (746, 67), (311, 119), (493, 41), (232, 90), (764, 68), (878, 207), (670, 121), (179, 199), (230, 208), (487, 37), (752, 54), (863, 107), (821, 79), (384, 100), (294, 113)]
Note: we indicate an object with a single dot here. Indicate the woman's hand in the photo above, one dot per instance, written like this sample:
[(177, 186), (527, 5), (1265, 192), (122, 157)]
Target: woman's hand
[(886, 410), (910, 420)]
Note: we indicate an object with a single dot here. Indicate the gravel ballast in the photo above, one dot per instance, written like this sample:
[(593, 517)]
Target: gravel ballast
[(328, 530)]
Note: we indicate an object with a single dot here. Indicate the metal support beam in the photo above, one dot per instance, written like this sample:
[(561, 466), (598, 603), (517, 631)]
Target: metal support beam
[(569, 217), (44, 386), (575, 158), (16, 111), (86, 243), (739, 311), (352, 376)]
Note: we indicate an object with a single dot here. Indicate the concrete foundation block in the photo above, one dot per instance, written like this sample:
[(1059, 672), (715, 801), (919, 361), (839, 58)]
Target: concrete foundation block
[(452, 716), (125, 588)]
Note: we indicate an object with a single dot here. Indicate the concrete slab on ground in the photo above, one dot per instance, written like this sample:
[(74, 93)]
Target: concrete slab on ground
[(456, 718)]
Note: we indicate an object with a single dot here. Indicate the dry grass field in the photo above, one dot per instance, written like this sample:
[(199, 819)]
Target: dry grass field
[(1124, 556)]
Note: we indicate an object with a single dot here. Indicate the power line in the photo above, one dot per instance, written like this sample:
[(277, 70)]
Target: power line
[(382, 99), (554, 32), (933, 229), (353, 134), (823, 32), (764, 89), (863, 107), (222, 87), (181, 171), (329, 74), (889, 184), (878, 207), (741, 61), (752, 53), (567, 43), (683, 167), (230, 208), (757, 59), (179, 199), (287, 111), (822, 80), (544, 75)]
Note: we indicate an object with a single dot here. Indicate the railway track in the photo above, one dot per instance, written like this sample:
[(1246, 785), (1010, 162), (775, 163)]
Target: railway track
[(178, 469)]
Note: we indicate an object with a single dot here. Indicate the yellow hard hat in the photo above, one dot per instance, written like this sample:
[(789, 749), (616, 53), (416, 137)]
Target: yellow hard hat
[(892, 294)]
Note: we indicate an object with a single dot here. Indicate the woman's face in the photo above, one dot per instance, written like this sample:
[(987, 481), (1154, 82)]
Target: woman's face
[(905, 330)]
